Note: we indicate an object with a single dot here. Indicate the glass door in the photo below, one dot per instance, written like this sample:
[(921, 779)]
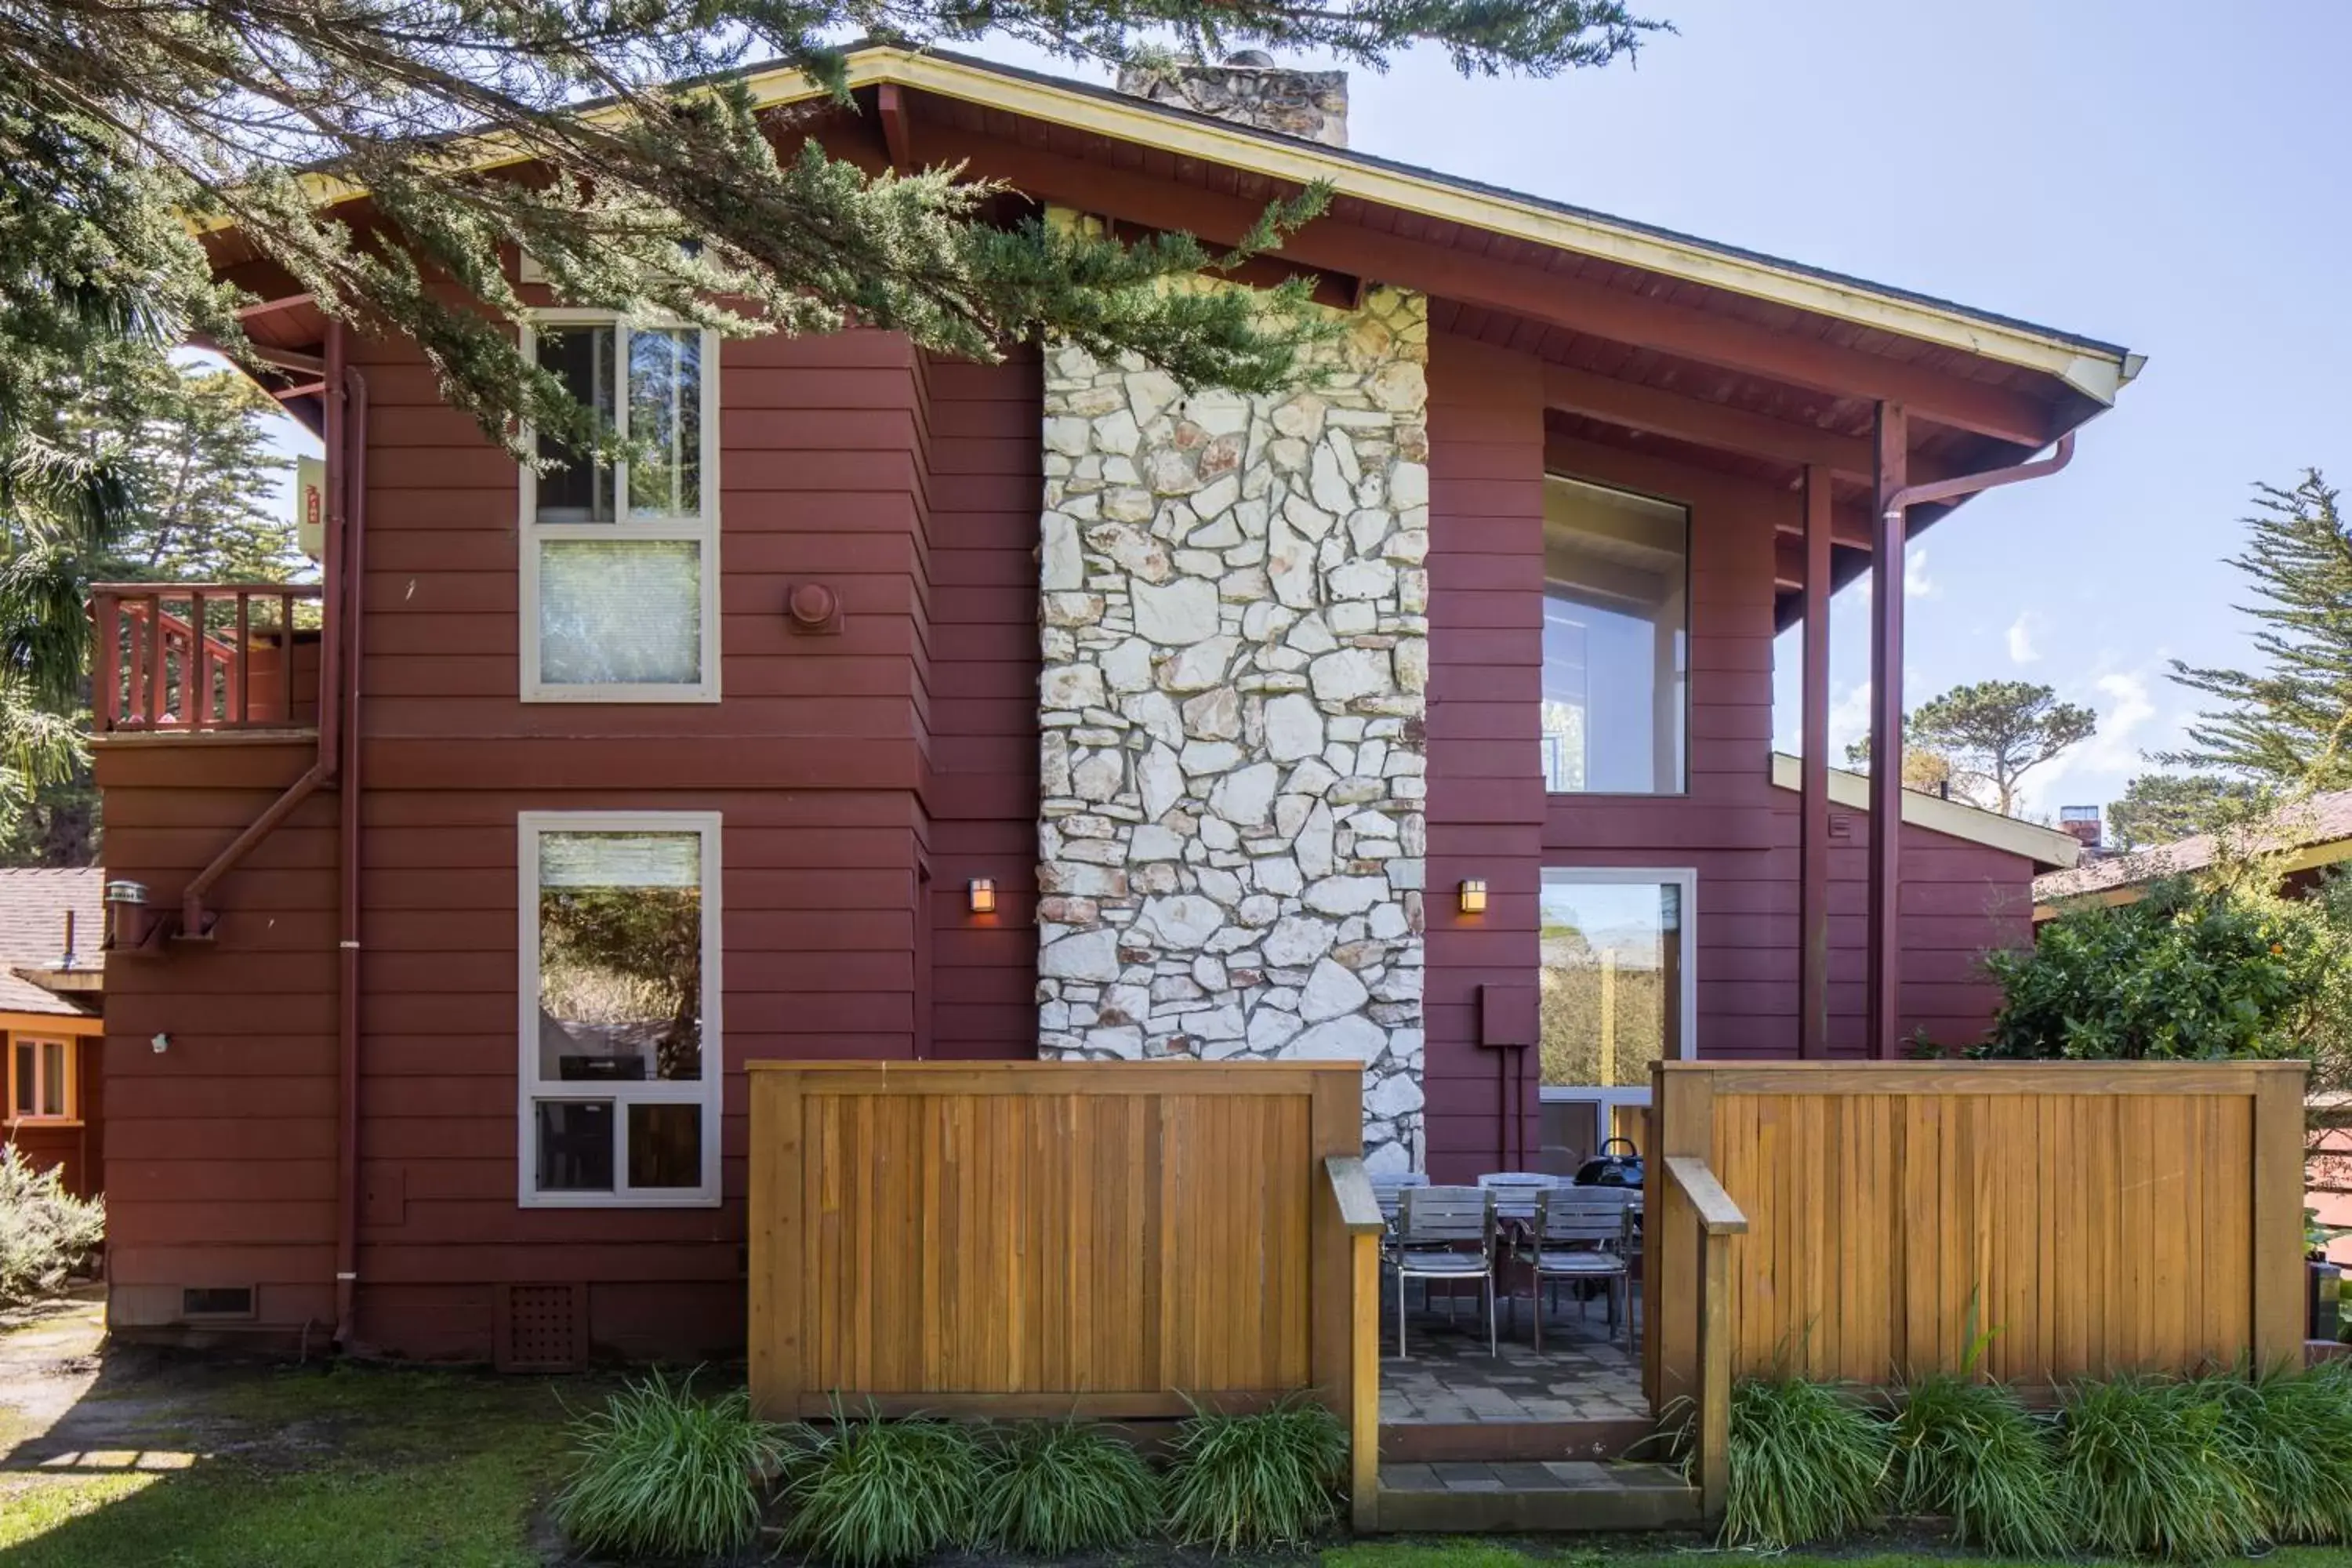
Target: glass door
[(1617, 994)]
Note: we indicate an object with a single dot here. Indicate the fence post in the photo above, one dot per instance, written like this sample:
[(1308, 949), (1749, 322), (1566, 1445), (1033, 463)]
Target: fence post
[(2279, 1322), (1364, 1413)]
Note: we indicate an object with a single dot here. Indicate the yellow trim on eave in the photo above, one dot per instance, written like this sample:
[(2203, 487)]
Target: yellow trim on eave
[(1954, 819), (55, 1026), (2096, 375)]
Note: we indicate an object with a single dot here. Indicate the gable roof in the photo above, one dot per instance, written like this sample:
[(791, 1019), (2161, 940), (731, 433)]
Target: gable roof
[(34, 902), (1953, 818), (2093, 368), (2311, 833)]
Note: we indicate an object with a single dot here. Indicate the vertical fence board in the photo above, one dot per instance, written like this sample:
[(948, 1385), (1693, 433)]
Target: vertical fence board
[(2089, 1217), (1049, 1237)]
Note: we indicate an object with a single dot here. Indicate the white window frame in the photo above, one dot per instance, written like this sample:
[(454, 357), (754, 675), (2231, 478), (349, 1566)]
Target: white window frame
[(701, 528), (67, 1058), (706, 1091), (1683, 709), (1684, 877)]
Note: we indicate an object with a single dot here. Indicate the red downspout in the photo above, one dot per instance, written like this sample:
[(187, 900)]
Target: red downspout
[(354, 591), (194, 919), (1909, 496)]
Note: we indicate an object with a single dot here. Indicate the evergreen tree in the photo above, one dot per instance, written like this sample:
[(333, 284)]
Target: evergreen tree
[(1997, 731), (664, 195), (1928, 772), (2285, 722), (2158, 808), (203, 483)]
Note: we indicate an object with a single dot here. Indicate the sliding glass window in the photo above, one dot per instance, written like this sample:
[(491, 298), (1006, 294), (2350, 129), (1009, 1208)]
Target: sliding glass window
[(1616, 637)]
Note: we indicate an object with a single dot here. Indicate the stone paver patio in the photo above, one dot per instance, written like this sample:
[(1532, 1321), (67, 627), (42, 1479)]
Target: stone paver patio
[(1581, 1374)]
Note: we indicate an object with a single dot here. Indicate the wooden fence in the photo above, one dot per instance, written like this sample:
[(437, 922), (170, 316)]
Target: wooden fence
[(2092, 1217), (1046, 1238)]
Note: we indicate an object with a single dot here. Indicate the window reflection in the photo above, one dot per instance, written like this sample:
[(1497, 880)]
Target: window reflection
[(1612, 985), (620, 957), (1616, 572)]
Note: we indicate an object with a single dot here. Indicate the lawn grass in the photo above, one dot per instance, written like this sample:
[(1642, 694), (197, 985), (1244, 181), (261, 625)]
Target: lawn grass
[(353, 1468)]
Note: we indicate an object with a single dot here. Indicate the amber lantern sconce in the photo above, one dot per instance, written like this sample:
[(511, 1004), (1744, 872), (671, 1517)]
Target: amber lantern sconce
[(1474, 897), (980, 892)]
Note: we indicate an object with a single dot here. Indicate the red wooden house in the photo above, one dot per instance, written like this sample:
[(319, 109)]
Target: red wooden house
[(895, 708), (52, 990)]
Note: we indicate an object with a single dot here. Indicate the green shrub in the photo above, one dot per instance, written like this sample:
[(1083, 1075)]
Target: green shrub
[(662, 1473), (1807, 1463), (46, 1233), (2293, 1433), (2188, 971), (1055, 1487), (873, 1493), (1271, 1479), (1971, 1451), (2155, 1469)]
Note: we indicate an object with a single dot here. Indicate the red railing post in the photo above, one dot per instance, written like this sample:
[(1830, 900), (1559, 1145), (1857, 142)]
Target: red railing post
[(196, 673), (240, 713), (106, 684)]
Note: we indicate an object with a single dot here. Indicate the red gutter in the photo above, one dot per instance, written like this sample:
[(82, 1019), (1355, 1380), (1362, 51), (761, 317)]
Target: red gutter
[(195, 921), (347, 857), (1886, 879)]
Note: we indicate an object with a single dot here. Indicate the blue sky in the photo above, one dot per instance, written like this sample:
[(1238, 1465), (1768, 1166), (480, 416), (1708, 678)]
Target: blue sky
[(2155, 175)]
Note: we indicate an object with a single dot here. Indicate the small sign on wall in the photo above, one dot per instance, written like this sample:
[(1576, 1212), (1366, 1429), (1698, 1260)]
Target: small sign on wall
[(310, 506)]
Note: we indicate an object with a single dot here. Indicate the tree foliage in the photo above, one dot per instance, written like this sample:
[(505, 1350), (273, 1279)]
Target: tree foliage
[(2195, 969), (667, 197), (1994, 732), (1927, 770), (2284, 722), (2159, 808)]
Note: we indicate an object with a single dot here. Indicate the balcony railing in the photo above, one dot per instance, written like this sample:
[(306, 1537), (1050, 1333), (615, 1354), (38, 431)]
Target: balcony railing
[(179, 658)]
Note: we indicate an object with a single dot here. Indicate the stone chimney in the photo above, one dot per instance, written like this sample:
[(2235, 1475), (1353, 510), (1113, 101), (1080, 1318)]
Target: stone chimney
[(1250, 89)]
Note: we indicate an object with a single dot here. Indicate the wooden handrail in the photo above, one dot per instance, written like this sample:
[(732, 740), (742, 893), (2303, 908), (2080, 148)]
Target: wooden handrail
[(1719, 1219), (1359, 1208), (1718, 1215), (160, 670)]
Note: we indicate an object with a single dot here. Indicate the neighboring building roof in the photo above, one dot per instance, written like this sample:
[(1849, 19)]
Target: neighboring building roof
[(2312, 833), (1953, 818), (34, 902)]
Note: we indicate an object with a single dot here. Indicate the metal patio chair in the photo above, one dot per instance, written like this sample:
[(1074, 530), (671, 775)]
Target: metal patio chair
[(1578, 1234), (1388, 1190), (1435, 1230)]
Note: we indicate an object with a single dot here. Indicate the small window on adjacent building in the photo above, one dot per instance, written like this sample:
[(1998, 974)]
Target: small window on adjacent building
[(41, 1080), (620, 566), (1616, 625), (621, 1057)]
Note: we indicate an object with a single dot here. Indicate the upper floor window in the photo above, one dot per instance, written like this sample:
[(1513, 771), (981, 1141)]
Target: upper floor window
[(621, 1054), (620, 559), (1615, 645)]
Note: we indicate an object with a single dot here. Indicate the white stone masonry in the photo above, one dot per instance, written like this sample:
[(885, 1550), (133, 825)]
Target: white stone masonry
[(1236, 627)]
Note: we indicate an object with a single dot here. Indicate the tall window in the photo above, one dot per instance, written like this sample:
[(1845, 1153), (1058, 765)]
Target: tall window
[(621, 1052), (620, 559), (1617, 994), (40, 1080), (1616, 620)]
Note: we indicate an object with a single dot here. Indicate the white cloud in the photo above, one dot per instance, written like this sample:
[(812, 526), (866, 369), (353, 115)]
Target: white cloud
[(2126, 706), (1849, 720), (2020, 639), (1917, 584)]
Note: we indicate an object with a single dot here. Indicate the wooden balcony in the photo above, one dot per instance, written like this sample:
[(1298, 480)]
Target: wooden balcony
[(201, 658)]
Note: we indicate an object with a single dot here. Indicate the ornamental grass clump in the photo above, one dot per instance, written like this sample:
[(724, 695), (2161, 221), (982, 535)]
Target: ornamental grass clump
[(1055, 1487), (2157, 1469), (870, 1493), (662, 1473), (2293, 1436), (1807, 1463), (1971, 1451), (1269, 1479)]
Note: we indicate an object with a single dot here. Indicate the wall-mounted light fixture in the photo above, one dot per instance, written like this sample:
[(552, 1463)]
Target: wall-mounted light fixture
[(981, 894), (1474, 897)]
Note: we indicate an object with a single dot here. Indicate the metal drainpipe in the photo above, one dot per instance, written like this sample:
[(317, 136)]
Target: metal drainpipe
[(1909, 496), (352, 590)]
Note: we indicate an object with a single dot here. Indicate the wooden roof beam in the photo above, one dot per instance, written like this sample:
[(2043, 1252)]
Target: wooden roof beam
[(1702, 423), (1574, 304)]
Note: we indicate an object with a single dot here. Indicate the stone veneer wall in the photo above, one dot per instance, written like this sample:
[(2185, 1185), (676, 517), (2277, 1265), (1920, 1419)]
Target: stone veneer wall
[(1236, 637), (1312, 105)]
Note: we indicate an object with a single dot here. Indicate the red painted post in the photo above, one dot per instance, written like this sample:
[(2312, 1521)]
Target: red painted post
[(1814, 783), (239, 708), (1886, 953), (159, 667), (196, 674), (107, 688)]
